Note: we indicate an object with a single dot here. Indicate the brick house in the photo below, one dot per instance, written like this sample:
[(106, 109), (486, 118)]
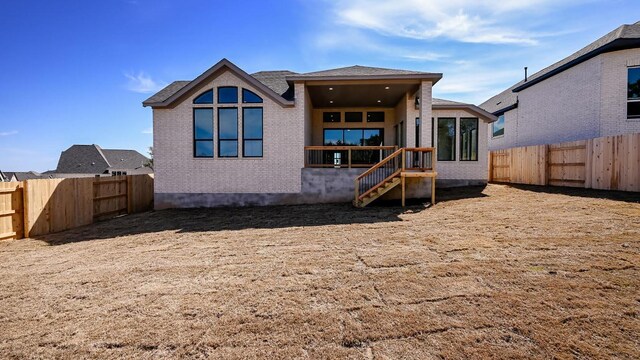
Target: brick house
[(358, 133), (592, 93)]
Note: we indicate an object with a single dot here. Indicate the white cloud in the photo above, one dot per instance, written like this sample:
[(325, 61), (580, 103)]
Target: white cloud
[(7, 133), (147, 131), (142, 83), (471, 21), (424, 56), (474, 84)]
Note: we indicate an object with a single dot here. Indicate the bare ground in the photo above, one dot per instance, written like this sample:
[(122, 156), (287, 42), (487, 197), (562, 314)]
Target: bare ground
[(503, 272)]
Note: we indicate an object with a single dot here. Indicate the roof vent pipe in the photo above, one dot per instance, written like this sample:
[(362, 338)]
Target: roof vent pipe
[(525, 74)]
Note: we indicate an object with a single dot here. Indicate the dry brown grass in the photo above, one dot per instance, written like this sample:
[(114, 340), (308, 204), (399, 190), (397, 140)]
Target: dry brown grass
[(509, 272)]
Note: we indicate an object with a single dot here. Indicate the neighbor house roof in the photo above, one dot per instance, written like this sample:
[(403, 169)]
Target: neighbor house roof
[(124, 159), (624, 37), (501, 102), (22, 175), (92, 159), (442, 104), (277, 84)]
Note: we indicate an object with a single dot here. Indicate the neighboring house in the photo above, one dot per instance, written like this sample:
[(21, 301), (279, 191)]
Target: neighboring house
[(279, 137), (91, 160), (21, 175), (592, 93)]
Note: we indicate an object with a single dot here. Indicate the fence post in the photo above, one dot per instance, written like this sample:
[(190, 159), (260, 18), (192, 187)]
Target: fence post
[(490, 166), (129, 194), (547, 167), (349, 157), (588, 163), (25, 209)]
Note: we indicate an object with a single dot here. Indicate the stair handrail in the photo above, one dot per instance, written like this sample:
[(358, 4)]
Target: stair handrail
[(379, 164), (397, 168)]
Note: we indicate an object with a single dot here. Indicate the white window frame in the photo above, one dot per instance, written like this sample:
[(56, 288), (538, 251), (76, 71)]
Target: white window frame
[(503, 126)]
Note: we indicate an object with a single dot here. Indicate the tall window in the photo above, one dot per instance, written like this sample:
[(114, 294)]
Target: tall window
[(446, 139), (498, 127), (633, 93), (468, 139), (226, 128), (228, 132), (203, 132), (252, 132), (227, 95), (417, 132)]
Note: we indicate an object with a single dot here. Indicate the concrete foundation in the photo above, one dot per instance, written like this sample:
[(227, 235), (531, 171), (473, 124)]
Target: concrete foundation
[(318, 186)]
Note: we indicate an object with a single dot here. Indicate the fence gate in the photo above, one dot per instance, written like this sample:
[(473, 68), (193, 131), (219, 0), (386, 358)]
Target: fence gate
[(11, 210), (111, 196)]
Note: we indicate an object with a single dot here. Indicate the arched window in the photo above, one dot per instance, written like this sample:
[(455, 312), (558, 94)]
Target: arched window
[(249, 97), (227, 95), (204, 98)]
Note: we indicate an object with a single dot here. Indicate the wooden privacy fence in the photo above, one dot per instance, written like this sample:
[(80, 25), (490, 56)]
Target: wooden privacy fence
[(608, 163), (39, 207)]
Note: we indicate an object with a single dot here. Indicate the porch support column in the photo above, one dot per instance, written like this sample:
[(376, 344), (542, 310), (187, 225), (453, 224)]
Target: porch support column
[(425, 114), (410, 114)]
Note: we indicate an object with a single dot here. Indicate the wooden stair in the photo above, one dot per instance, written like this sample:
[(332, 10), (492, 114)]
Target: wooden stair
[(392, 171), (382, 189)]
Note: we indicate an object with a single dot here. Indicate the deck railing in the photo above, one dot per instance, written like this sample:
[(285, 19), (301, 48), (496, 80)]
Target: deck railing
[(419, 159), (345, 156)]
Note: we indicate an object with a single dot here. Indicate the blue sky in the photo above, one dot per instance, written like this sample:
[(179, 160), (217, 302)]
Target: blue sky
[(76, 72)]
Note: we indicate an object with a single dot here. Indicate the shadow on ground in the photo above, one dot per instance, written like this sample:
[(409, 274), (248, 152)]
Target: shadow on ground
[(225, 219), (625, 196), (271, 217)]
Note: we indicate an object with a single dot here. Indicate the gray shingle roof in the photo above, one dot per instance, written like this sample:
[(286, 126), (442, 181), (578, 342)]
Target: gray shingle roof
[(23, 175), (436, 101), (124, 159), (92, 159), (169, 90), (275, 80), (279, 80), (500, 101), (621, 37), (358, 70), (450, 104)]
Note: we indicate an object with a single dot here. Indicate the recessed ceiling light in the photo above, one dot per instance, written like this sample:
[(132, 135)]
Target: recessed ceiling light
[(330, 101), (386, 88), (379, 100), (330, 88)]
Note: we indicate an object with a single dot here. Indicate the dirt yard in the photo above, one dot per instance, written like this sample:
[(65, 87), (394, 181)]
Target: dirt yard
[(503, 272)]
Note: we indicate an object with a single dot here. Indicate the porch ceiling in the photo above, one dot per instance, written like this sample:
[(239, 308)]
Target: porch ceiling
[(359, 95)]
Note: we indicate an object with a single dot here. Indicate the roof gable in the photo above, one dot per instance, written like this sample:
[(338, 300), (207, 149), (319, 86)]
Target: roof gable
[(82, 159), (224, 64)]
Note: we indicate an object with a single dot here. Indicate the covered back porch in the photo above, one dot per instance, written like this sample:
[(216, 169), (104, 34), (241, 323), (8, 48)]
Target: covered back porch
[(371, 130)]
